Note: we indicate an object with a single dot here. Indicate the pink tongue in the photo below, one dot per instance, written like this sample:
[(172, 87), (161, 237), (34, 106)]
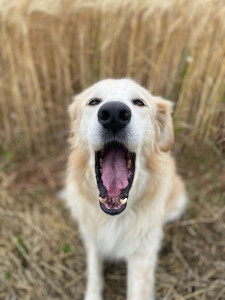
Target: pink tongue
[(114, 171)]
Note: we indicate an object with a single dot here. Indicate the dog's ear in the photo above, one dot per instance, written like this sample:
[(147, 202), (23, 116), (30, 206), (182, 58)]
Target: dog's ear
[(165, 135)]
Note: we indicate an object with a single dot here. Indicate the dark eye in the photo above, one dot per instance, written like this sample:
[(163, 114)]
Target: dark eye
[(138, 102), (94, 101)]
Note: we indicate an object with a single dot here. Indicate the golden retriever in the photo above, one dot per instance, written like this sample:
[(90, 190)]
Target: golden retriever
[(121, 183)]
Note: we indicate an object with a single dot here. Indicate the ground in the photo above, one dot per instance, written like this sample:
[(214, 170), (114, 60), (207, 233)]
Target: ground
[(41, 255)]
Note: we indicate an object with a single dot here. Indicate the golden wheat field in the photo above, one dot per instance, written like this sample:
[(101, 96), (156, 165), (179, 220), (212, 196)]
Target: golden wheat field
[(51, 50)]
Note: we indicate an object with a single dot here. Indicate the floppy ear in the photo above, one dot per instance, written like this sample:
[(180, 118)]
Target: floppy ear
[(165, 135)]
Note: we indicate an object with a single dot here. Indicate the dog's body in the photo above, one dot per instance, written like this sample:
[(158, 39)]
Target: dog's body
[(134, 170)]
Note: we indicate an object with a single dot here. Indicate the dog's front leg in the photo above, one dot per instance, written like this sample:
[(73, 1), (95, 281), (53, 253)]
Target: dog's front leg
[(94, 272), (141, 269)]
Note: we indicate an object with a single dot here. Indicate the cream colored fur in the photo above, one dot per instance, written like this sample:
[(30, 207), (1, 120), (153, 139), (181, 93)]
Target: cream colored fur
[(156, 197)]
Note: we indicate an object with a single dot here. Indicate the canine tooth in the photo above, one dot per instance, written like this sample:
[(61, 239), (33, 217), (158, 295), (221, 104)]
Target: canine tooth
[(123, 201), (102, 199), (101, 161), (129, 163)]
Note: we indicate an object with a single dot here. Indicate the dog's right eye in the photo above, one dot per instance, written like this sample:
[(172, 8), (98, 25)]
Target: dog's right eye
[(138, 102), (94, 101)]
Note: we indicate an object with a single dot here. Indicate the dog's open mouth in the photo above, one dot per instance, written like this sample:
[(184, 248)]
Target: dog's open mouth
[(114, 168)]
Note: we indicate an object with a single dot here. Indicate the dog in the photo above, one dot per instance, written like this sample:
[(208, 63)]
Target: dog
[(121, 183)]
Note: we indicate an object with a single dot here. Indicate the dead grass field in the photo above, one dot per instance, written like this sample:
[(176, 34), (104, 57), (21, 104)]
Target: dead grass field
[(50, 50)]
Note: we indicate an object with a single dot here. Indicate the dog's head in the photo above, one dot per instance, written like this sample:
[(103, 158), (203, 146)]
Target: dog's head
[(118, 123)]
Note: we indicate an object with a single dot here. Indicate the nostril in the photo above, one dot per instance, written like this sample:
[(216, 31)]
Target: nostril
[(104, 115), (124, 115)]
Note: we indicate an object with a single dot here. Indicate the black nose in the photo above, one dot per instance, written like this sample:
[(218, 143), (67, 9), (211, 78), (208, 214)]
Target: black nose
[(114, 115)]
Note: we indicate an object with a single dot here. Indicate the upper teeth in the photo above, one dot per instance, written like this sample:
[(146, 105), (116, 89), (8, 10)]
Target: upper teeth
[(101, 162), (129, 163), (123, 201)]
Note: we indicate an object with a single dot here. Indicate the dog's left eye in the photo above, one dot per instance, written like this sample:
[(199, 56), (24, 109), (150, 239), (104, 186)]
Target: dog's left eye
[(138, 102), (94, 101)]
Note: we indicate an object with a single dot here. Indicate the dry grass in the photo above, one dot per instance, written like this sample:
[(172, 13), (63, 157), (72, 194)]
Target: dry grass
[(52, 49), (41, 256)]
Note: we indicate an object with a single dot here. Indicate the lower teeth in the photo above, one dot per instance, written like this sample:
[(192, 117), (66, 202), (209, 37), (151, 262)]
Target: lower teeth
[(103, 200), (112, 200)]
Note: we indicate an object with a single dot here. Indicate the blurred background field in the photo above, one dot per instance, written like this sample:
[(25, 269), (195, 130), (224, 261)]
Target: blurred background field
[(51, 50)]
